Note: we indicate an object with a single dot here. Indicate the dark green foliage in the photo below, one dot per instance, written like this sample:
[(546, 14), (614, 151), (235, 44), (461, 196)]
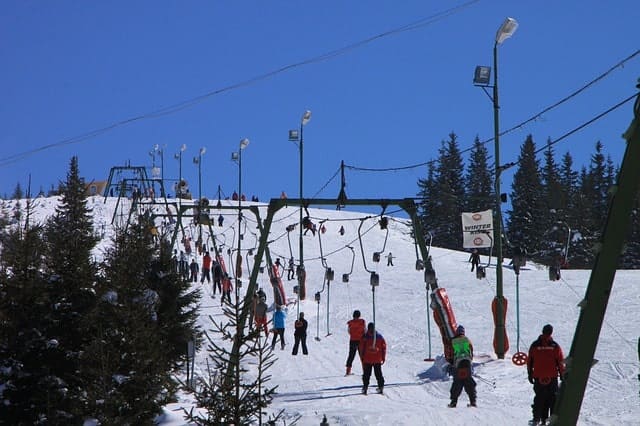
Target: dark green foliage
[(479, 180), (526, 217), (69, 241), (31, 392), (444, 196), (143, 319)]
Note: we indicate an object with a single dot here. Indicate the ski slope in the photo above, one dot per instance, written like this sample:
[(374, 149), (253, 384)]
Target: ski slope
[(416, 391)]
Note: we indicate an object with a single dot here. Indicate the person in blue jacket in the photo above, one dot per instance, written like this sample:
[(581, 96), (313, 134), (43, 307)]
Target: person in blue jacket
[(279, 318)]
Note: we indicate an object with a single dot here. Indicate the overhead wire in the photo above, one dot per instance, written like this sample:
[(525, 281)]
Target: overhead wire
[(534, 117), (171, 109)]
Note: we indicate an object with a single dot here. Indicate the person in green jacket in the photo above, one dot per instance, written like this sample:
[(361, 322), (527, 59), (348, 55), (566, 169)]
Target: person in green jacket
[(461, 368)]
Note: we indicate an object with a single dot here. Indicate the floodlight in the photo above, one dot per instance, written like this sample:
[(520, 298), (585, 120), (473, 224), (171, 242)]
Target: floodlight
[(482, 75), (293, 135), (243, 143)]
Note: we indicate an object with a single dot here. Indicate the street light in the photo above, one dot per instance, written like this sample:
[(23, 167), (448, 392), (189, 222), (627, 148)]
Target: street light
[(237, 156), (481, 78), (297, 137), (178, 156), (198, 161)]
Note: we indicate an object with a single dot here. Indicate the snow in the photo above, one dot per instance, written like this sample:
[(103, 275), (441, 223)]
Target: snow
[(417, 391)]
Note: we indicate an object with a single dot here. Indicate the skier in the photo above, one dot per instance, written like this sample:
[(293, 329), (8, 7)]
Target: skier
[(206, 268), (183, 265), (279, 318), (341, 231), (461, 368), (300, 335), (260, 316), (279, 266), (220, 220), (356, 328), (262, 295), (373, 353), (217, 277), (226, 290), (474, 259), (390, 259), (291, 270), (544, 364), (194, 268)]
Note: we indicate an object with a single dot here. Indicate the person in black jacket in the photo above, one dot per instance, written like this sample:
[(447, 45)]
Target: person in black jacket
[(300, 335), (474, 259)]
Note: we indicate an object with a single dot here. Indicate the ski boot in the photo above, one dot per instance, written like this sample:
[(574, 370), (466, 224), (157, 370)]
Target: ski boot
[(452, 404), (348, 371), (379, 390), (364, 390)]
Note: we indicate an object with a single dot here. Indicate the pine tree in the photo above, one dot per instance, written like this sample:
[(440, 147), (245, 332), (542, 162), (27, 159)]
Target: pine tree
[(232, 392), (426, 206), (478, 180), (552, 216), (593, 201), (29, 388), (525, 219), (448, 197), (142, 323), (69, 240)]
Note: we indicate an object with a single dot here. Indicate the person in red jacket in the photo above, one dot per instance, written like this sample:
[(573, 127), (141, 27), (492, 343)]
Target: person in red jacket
[(544, 365), (206, 268), (356, 328), (373, 353)]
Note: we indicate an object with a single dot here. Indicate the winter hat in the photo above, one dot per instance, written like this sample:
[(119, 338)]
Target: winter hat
[(460, 329), (547, 330), (371, 327), (356, 314)]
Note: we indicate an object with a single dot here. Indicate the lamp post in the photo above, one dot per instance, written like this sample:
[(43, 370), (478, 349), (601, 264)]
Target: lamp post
[(295, 137), (178, 156), (237, 156), (482, 76)]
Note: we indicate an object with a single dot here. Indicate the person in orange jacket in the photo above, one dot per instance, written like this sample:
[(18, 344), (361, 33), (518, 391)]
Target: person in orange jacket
[(356, 328), (373, 353), (544, 364)]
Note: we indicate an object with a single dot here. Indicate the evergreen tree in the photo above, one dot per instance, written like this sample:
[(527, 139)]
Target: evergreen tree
[(142, 323), (552, 216), (427, 210), (69, 240), (231, 393), (478, 180), (448, 195), (526, 217), (29, 389), (18, 193), (592, 204)]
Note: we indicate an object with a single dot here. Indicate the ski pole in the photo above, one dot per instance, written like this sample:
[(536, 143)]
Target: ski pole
[(489, 382)]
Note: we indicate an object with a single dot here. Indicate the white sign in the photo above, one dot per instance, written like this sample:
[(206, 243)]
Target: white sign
[(477, 229)]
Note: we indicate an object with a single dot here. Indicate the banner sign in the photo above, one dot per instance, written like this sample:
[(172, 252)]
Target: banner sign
[(477, 229)]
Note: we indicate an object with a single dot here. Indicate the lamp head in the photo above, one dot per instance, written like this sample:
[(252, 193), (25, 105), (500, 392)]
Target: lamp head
[(306, 117), (244, 143), (234, 156), (506, 30), (203, 150), (183, 147), (294, 135)]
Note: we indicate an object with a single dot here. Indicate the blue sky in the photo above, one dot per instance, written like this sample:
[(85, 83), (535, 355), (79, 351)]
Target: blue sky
[(72, 68)]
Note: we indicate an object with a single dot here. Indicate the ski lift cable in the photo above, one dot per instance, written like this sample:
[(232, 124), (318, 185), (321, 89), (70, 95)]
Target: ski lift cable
[(614, 329), (364, 261)]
